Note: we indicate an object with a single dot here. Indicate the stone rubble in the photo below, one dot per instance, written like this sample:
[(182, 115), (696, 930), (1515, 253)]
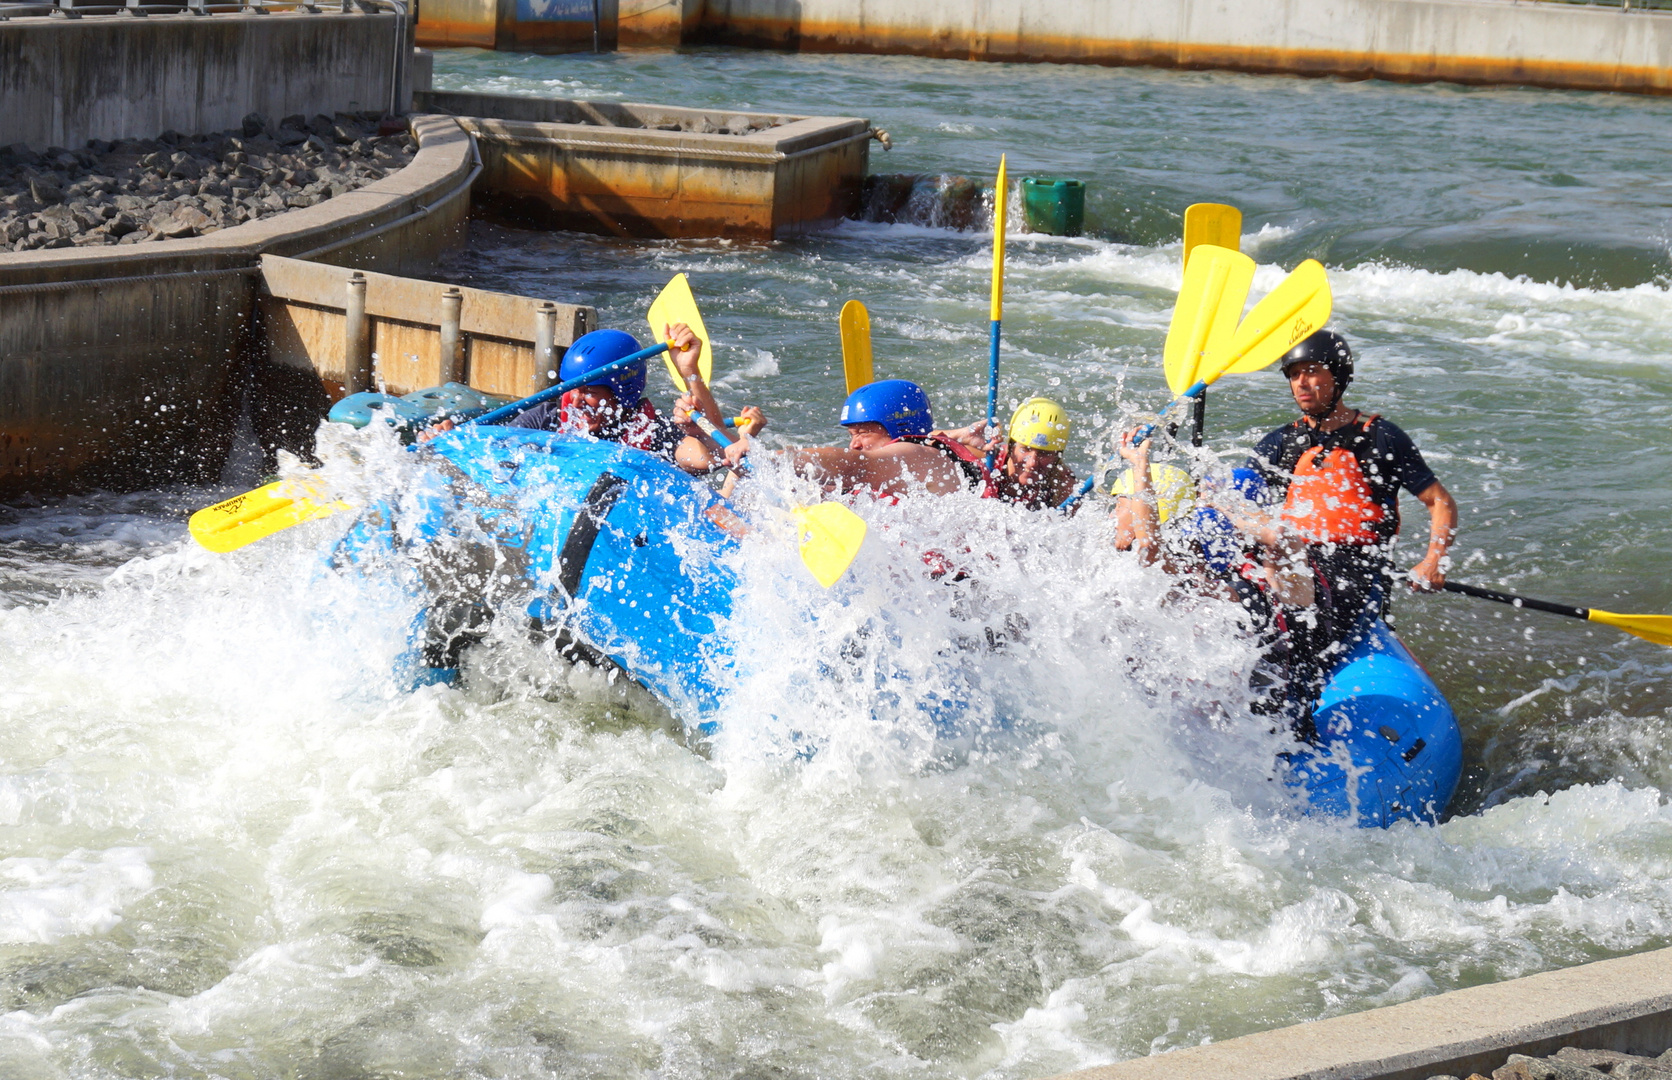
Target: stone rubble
[(1569, 1063), (135, 190)]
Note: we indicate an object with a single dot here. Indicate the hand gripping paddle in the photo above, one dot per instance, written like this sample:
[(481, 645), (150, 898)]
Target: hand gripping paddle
[(675, 304)]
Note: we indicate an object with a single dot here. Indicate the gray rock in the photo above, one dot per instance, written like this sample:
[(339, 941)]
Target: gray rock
[(44, 190), (186, 221), (253, 124), (1521, 1067), (122, 224), (13, 230)]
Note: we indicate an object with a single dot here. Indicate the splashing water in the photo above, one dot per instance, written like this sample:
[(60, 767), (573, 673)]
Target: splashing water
[(235, 847)]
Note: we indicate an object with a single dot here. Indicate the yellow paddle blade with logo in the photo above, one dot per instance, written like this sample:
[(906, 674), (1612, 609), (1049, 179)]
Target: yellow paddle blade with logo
[(1287, 315), (244, 519), (677, 305), (1211, 223), (1655, 628), (856, 345), (830, 536), (1216, 284)]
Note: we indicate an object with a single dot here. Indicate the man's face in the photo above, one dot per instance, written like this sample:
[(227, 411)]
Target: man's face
[(1028, 465), (868, 436), (1313, 387), (593, 408)]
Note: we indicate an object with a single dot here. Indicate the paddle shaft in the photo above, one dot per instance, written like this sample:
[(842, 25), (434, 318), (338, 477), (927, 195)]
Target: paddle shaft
[(992, 394), (591, 378), (1518, 601), (1144, 432), (1001, 192)]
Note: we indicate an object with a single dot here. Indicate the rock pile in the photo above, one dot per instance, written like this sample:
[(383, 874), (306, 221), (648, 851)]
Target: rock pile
[(173, 186), (1571, 1064)]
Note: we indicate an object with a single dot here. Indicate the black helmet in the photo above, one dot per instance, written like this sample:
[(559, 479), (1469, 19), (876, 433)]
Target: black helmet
[(1328, 348)]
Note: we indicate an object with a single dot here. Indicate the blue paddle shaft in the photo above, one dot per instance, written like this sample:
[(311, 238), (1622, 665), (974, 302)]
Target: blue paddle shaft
[(992, 393), (1143, 433), (591, 378)]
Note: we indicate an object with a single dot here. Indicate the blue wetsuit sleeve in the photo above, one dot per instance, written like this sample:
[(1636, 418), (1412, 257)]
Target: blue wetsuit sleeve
[(1409, 470)]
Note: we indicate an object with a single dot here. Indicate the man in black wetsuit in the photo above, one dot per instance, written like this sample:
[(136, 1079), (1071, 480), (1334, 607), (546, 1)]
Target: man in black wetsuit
[(1340, 473)]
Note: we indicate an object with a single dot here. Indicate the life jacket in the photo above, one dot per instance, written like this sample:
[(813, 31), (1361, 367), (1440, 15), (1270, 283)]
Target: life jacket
[(637, 429), (1338, 492), (968, 461)]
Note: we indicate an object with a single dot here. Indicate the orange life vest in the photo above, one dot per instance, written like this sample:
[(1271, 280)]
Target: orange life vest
[(1331, 499)]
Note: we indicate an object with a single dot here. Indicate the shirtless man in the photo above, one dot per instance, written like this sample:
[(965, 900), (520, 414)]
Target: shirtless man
[(889, 451)]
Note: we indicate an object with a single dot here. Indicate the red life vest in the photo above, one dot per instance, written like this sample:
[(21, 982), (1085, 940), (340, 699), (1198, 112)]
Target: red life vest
[(968, 461), (637, 429), (1334, 486)]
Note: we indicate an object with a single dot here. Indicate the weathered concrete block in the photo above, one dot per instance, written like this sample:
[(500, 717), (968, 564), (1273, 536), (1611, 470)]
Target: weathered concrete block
[(661, 171)]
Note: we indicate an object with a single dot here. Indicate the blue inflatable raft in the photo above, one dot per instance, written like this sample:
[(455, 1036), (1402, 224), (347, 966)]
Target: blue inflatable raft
[(603, 546), (1388, 745), (626, 557)]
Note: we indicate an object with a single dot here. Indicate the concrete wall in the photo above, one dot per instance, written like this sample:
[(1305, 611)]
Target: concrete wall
[(1623, 1004), (124, 366), (545, 26), (659, 170), (304, 319), (1472, 41), (64, 81)]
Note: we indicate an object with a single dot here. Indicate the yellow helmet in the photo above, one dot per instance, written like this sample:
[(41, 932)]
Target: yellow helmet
[(1175, 492), (1040, 423)]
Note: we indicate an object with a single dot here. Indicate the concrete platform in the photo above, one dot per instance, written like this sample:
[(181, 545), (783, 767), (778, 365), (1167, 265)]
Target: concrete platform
[(1623, 1004), (658, 170)]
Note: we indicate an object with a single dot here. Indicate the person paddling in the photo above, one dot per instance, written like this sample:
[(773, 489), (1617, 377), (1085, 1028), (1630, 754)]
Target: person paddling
[(891, 447), (1028, 469), (1340, 472), (615, 408)]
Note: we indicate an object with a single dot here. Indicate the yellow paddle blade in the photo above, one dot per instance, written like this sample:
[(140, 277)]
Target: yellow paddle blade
[(677, 305), (856, 345), (830, 538), (1289, 313), (1655, 628), (1001, 195), (254, 515), (1211, 223), (1216, 284)]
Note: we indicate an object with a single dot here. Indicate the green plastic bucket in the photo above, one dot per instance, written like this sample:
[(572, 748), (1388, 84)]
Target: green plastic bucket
[(1054, 205)]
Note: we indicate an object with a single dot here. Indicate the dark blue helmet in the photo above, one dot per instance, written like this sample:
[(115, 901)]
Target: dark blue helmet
[(901, 407), (1328, 348), (592, 351)]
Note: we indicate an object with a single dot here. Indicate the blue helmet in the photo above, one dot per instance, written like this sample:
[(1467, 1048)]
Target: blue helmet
[(1221, 546), (592, 351), (901, 407), (1249, 484)]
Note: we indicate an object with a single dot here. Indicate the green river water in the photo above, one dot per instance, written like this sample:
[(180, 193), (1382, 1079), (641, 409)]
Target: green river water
[(230, 848)]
